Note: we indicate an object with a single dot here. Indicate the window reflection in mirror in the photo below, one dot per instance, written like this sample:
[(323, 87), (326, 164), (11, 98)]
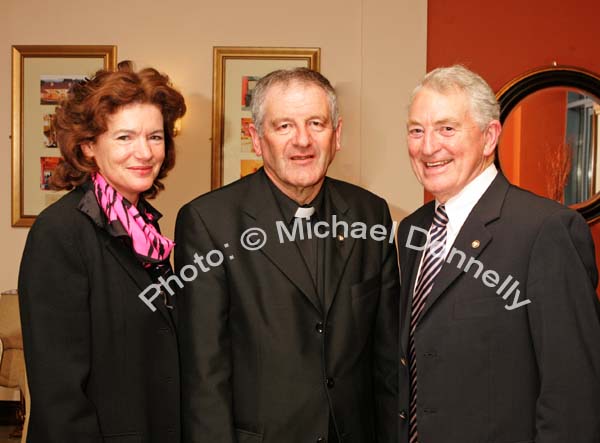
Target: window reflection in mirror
[(549, 144)]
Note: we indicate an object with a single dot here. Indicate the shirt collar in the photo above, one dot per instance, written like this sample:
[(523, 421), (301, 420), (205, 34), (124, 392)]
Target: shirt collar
[(460, 206)]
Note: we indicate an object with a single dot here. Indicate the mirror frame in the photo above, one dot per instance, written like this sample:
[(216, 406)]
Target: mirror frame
[(520, 87)]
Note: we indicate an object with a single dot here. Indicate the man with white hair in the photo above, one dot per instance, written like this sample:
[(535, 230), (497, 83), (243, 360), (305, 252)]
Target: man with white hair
[(500, 330)]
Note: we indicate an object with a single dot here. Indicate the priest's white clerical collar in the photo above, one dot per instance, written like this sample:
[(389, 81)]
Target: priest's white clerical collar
[(303, 212)]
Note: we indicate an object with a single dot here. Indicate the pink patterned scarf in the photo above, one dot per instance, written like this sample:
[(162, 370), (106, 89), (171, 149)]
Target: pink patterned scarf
[(149, 245)]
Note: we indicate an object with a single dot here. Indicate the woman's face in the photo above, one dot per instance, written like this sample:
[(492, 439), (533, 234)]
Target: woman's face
[(129, 154)]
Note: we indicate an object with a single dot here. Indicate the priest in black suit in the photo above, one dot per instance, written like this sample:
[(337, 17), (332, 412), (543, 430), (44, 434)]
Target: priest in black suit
[(500, 335), (295, 341)]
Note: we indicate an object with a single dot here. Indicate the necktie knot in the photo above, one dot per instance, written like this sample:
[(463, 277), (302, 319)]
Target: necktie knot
[(440, 218)]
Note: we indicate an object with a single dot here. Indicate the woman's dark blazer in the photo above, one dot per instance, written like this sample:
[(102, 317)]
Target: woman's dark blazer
[(101, 365)]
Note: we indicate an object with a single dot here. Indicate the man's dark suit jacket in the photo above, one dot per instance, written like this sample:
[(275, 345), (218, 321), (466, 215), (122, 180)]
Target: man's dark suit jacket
[(488, 374), (101, 366), (261, 359)]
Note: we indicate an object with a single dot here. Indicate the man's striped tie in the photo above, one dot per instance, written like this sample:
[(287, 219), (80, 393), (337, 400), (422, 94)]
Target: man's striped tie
[(430, 267)]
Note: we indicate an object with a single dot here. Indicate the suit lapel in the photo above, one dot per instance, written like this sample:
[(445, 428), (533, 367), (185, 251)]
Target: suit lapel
[(473, 229), (263, 211), (135, 271), (121, 252), (412, 268), (472, 239), (338, 247)]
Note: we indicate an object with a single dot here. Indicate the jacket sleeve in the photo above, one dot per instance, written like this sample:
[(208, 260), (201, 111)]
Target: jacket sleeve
[(564, 316), (55, 318), (386, 346), (204, 337)]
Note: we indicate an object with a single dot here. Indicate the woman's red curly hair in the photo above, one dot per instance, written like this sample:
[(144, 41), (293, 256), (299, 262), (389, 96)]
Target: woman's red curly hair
[(83, 116)]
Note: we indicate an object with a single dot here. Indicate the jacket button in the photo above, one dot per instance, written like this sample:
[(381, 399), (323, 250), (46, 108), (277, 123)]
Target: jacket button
[(329, 382), (403, 361), (319, 328), (402, 415)]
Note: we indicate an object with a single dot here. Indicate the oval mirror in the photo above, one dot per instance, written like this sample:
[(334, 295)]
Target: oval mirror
[(550, 143)]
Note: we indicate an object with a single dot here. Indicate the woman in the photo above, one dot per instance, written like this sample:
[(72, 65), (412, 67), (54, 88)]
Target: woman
[(101, 365)]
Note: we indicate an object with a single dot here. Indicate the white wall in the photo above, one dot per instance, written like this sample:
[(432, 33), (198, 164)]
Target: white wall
[(373, 51)]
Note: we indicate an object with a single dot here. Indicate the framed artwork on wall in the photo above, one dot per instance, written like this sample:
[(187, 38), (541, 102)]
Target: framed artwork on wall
[(235, 72), (41, 77)]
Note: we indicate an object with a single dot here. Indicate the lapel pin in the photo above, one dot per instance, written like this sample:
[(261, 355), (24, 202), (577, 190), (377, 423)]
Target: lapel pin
[(475, 244)]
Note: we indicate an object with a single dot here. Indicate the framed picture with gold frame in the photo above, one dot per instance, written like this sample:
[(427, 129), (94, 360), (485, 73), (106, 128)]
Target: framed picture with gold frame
[(235, 72), (41, 77)]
